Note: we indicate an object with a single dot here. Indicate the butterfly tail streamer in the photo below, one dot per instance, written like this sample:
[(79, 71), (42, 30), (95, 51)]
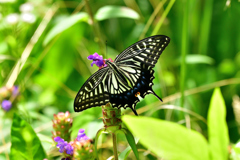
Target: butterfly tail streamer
[(134, 111), (152, 92)]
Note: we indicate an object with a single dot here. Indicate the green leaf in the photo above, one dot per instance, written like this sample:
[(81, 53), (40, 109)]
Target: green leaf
[(25, 143), (196, 59), (131, 141), (65, 24), (167, 139), (60, 54), (108, 12), (235, 152), (123, 155), (217, 127)]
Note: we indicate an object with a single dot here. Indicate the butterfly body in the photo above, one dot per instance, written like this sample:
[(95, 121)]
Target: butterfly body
[(126, 80)]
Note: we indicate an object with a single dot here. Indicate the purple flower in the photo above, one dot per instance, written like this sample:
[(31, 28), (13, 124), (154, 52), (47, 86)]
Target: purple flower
[(15, 90), (97, 59), (81, 135), (6, 105), (63, 146), (69, 148)]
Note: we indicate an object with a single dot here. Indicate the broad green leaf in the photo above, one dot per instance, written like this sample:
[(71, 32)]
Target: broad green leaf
[(131, 141), (217, 126), (108, 12), (25, 143), (65, 24), (167, 139)]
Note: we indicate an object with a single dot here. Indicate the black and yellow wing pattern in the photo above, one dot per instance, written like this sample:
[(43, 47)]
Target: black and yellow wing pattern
[(122, 82)]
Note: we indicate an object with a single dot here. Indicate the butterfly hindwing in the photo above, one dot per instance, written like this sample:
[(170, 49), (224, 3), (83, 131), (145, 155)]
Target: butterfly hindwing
[(143, 86)]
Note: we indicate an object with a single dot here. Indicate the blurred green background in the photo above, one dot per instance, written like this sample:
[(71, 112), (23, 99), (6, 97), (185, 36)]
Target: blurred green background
[(44, 47)]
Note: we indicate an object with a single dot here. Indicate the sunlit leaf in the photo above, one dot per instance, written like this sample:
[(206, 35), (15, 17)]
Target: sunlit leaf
[(217, 127), (25, 143), (65, 24), (167, 139), (198, 59), (108, 12), (235, 152)]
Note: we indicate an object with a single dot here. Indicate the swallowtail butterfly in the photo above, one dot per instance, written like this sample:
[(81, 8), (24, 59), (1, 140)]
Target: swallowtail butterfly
[(122, 81)]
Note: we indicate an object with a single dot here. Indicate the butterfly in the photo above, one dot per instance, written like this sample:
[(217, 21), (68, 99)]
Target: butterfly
[(126, 80)]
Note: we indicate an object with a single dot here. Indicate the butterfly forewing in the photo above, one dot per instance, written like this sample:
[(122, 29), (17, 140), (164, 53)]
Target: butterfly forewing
[(93, 92), (145, 51)]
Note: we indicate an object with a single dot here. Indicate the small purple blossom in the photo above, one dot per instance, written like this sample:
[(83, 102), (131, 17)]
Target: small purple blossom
[(63, 146), (69, 148), (97, 59), (15, 90), (6, 105), (81, 135)]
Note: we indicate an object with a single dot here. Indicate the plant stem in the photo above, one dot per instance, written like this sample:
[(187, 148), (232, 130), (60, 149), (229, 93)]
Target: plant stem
[(96, 28), (164, 15), (115, 152), (184, 50), (151, 19), (205, 27), (28, 49)]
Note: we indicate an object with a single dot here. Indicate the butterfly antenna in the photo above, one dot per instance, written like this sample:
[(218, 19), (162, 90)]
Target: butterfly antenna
[(152, 92), (106, 48)]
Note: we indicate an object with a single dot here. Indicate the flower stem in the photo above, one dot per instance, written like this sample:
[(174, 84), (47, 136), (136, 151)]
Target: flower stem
[(115, 152), (96, 28)]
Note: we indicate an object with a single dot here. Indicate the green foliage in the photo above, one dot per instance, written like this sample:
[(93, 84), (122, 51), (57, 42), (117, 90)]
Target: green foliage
[(160, 137), (25, 143), (217, 127), (108, 12), (131, 142), (44, 51), (64, 24), (186, 144)]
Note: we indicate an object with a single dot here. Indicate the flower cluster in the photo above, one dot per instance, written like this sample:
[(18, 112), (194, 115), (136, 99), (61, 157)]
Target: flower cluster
[(81, 135), (63, 146), (80, 148), (62, 124), (98, 60), (7, 96)]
